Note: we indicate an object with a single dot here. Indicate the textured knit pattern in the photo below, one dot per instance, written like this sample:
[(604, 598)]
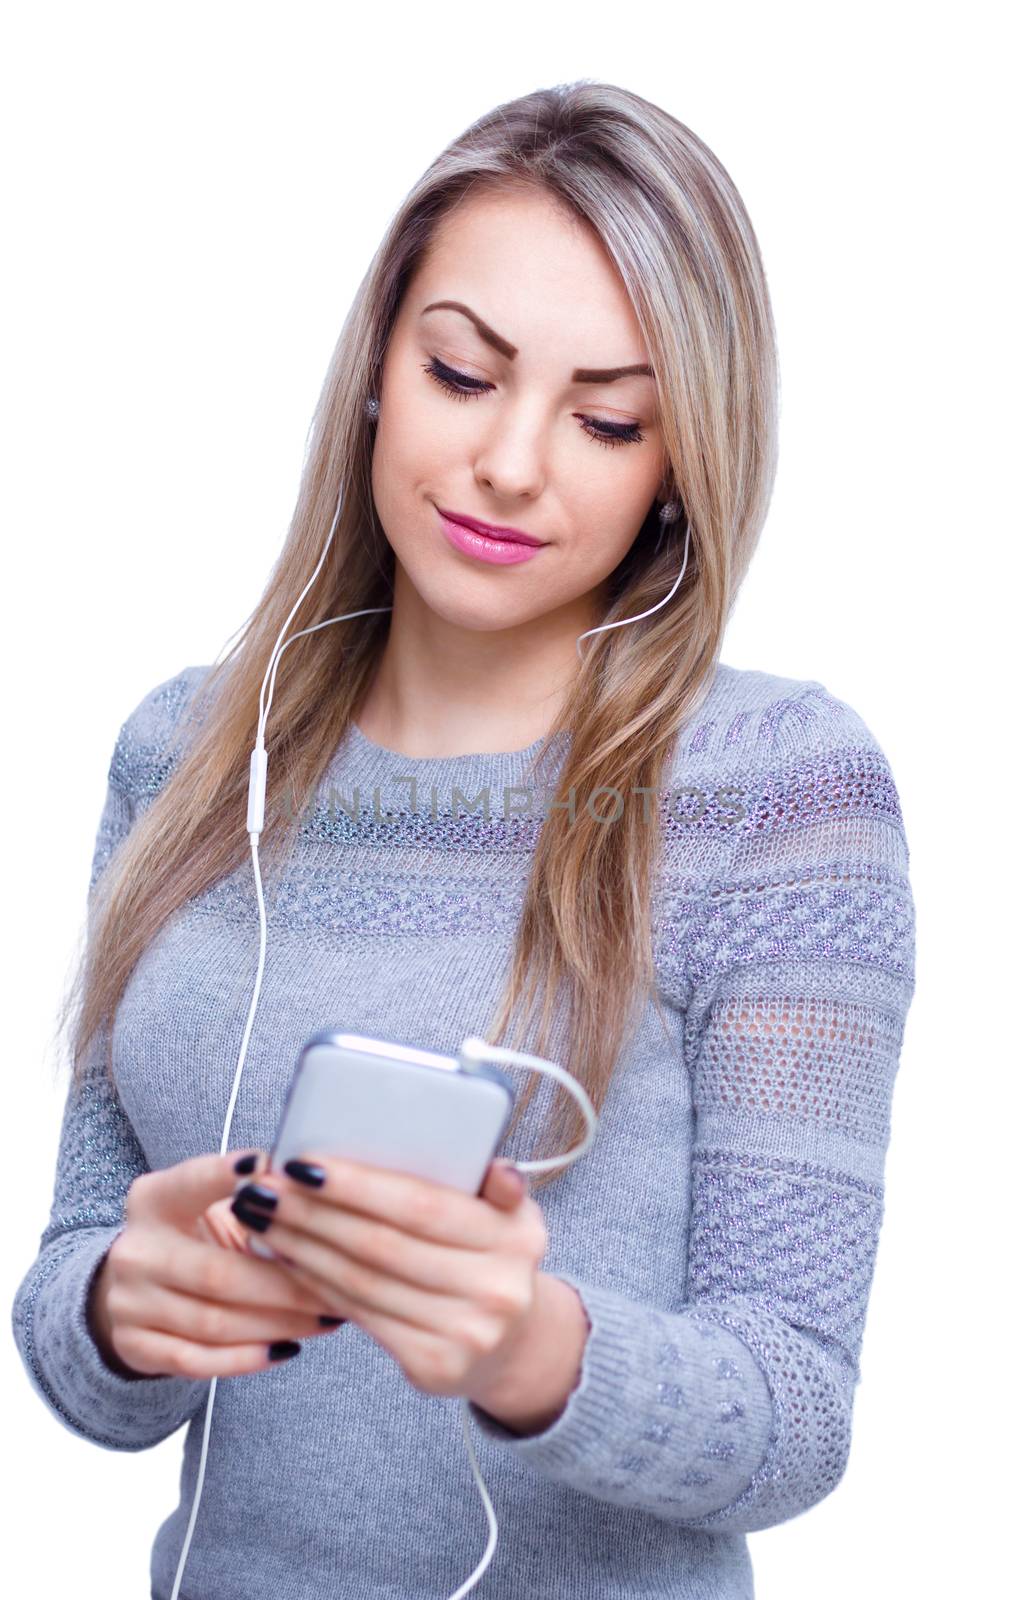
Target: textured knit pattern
[(721, 1233)]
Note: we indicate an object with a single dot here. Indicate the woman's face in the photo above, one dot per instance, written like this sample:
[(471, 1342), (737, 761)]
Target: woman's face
[(540, 442)]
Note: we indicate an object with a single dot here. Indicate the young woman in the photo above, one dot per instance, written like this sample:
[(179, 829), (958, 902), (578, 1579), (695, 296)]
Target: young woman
[(552, 410)]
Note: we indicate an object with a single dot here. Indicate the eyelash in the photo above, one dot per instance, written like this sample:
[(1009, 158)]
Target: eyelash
[(449, 380)]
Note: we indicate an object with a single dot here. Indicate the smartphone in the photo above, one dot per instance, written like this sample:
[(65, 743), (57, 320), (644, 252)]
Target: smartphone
[(394, 1105)]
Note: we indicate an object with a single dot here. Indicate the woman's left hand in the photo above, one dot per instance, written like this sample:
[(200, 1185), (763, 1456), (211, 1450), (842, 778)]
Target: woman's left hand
[(443, 1280)]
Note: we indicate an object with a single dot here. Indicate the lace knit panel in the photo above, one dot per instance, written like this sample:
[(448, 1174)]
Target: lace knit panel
[(801, 964)]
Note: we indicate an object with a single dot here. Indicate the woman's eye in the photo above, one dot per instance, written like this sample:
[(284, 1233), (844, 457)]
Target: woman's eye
[(456, 383), (463, 387)]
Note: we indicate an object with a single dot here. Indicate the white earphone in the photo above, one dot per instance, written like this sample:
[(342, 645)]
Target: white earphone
[(475, 1047)]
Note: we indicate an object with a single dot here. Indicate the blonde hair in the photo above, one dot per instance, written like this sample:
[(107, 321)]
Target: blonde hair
[(677, 231)]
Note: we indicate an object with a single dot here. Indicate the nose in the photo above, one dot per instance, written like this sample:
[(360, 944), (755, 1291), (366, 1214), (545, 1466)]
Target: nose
[(511, 461)]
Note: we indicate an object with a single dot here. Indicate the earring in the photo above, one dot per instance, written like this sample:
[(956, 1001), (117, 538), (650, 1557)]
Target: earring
[(372, 408), (669, 512)]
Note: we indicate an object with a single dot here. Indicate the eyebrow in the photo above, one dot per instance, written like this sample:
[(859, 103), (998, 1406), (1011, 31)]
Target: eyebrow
[(505, 348)]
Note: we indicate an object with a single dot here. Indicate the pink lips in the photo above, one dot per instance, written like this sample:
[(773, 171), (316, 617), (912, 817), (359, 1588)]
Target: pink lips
[(502, 546)]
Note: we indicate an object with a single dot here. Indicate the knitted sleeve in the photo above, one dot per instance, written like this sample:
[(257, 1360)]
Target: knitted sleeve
[(733, 1412), (98, 1157)]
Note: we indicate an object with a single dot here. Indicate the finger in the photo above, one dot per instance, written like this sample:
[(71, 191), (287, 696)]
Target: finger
[(412, 1345), (211, 1273), (504, 1185), (406, 1309), (419, 1206), (180, 1193), (222, 1227), (151, 1351), (417, 1255), (450, 1289), (218, 1322), (364, 1241)]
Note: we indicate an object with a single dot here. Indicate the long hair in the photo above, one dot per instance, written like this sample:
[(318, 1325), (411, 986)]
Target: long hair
[(677, 231)]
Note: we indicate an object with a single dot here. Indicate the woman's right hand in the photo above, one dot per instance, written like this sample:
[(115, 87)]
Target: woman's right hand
[(170, 1299)]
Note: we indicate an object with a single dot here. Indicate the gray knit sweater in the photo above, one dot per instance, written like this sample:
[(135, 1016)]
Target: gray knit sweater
[(721, 1231)]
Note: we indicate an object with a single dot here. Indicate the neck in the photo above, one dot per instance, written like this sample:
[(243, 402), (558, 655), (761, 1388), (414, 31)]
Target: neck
[(442, 688)]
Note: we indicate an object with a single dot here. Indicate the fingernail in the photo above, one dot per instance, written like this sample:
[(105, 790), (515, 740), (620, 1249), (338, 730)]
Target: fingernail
[(519, 1180), (332, 1322), (257, 1194), (305, 1172), (251, 1219), (247, 1164), (283, 1349)]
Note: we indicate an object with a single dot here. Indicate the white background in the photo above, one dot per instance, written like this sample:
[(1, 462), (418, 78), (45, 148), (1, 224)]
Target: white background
[(192, 193)]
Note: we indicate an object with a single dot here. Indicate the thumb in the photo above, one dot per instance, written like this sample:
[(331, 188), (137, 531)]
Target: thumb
[(505, 1186), (182, 1192)]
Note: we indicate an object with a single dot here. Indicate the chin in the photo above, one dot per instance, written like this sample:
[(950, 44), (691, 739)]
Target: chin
[(476, 613)]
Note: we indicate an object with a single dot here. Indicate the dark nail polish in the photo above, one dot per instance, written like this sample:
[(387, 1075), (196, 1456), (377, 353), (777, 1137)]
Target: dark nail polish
[(256, 1194), (283, 1349), (332, 1322), (305, 1172), (247, 1164), (251, 1219)]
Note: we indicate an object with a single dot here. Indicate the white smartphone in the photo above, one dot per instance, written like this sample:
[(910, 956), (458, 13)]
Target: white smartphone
[(393, 1105)]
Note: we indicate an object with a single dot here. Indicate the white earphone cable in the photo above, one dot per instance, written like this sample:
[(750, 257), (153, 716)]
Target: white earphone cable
[(474, 1047), (603, 626)]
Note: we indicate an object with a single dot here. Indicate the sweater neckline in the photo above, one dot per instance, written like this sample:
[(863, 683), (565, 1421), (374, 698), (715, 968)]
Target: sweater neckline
[(369, 747), (359, 761)]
